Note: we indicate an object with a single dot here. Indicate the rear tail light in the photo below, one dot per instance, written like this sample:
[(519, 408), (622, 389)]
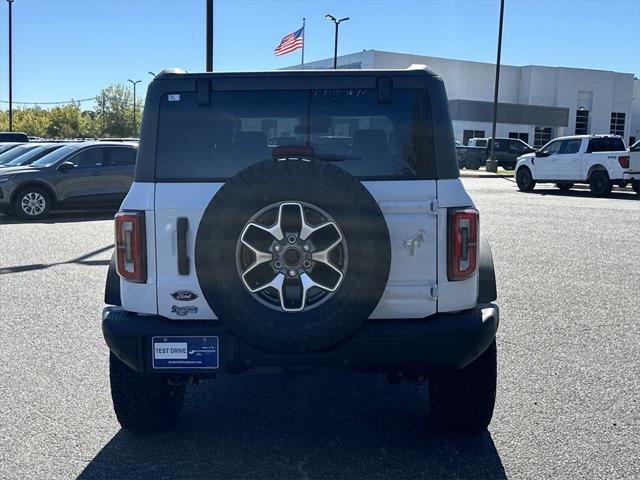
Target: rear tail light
[(463, 243), (131, 247), (624, 161)]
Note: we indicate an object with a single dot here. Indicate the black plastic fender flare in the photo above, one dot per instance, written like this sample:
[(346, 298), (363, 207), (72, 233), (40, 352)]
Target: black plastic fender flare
[(112, 285), (487, 290)]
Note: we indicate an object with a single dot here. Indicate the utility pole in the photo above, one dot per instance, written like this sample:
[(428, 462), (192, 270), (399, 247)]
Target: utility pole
[(209, 35), (492, 164), (104, 116), (10, 2), (304, 37), (335, 44), (135, 127)]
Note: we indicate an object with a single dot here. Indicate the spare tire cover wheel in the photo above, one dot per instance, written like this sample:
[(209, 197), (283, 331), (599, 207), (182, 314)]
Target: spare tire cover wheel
[(292, 255)]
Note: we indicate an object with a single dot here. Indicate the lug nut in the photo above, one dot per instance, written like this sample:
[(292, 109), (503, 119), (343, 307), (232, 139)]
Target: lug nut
[(293, 273), (306, 264), (277, 264), (291, 239)]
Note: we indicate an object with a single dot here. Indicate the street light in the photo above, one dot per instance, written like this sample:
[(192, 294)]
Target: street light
[(492, 164), (135, 129), (335, 47), (152, 74), (10, 2)]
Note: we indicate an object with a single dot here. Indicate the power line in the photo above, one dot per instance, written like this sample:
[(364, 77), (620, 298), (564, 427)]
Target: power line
[(51, 103)]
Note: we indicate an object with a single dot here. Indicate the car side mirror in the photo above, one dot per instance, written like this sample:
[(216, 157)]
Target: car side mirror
[(64, 166)]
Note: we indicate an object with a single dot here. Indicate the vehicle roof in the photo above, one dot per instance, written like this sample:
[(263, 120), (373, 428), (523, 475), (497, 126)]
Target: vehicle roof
[(497, 138), (103, 143), (599, 135), (413, 70)]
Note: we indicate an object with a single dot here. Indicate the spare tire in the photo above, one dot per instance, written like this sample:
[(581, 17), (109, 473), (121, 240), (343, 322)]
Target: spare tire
[(292, 255)]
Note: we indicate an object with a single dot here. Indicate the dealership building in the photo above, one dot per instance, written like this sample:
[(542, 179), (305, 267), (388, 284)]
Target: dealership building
[(536, 103)]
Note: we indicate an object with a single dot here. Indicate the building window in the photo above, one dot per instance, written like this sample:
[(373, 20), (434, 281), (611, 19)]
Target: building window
[(467, 134), (617, 124), (541, 136), (520, 136), (582, 122)]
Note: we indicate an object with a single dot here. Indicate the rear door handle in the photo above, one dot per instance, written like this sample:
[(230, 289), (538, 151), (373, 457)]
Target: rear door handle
[(182, 227)]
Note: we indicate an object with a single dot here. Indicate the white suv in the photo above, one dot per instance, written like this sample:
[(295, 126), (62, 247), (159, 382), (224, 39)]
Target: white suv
[(287, 221)]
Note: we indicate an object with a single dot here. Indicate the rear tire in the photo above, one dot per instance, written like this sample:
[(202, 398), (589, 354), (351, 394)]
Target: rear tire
[(600, 184), (635, 184), (32, 203), (473, 164), (143, 402), (564, 187), (525, 180), (464, 400)]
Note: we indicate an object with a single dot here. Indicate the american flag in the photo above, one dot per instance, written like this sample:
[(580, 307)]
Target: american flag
[(290, 42)]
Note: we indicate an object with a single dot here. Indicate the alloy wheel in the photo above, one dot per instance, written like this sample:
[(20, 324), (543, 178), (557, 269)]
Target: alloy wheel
[(291, 256)]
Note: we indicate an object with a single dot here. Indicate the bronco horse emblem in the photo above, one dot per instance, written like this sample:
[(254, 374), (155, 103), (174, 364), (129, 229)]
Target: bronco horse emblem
[(411, 243)]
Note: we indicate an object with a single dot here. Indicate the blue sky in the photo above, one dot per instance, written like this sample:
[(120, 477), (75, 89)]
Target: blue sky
[(73, 48)]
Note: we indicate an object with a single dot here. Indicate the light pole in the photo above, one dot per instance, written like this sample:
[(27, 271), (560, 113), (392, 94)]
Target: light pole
[(135, 129), (152, 74), (10, 2), (492, 164), (209, 35), (335, 46)]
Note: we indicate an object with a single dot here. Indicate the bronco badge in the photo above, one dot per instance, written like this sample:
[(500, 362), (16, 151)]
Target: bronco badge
[(184, 295), (411, 243)]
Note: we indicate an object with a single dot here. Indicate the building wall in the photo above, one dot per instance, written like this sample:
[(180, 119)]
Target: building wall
[(635, 111), (600, 92)]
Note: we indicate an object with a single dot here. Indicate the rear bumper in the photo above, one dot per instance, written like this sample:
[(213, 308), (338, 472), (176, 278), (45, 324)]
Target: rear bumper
[(446, 341)]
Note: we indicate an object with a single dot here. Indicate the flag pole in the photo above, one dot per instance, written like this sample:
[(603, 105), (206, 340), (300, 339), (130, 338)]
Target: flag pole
[(304, 34)]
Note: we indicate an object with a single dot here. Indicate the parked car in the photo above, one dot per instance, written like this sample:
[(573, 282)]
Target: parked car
[(78, 175), (599, 160), (471, 157), (30, 155), (17, 151), (506, 152), (6, 146), (13, 137), (295, 257)]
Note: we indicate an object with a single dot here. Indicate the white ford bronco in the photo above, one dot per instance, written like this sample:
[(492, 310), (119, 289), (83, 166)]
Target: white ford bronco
[(281, 222), (599, 160)]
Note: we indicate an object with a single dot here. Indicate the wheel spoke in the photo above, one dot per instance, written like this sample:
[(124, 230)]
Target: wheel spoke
[(258, 238), (295, 292), (326, 275)]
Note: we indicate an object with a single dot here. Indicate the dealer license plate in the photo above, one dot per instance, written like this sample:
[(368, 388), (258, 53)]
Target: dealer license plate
[(185, 352)]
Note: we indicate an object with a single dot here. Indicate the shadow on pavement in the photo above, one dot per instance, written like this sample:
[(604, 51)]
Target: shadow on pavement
[(62, 217), (328, 425), (585, 193), (81, 260)]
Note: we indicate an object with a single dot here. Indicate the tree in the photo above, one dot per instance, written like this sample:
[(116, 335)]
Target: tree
[(111, 117), (114, 111)]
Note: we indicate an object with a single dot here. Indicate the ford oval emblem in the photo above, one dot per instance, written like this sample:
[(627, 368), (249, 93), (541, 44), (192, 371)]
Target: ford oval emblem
[(184, 295)]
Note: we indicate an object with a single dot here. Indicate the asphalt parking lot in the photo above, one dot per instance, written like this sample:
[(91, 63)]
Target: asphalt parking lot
[(568, 404)]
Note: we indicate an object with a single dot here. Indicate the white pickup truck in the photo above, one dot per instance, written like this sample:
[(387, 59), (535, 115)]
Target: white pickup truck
[(598, 160)]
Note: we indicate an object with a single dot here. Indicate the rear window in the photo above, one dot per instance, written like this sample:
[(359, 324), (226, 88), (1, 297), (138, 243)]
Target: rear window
[(347, 127), (606, 144)]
